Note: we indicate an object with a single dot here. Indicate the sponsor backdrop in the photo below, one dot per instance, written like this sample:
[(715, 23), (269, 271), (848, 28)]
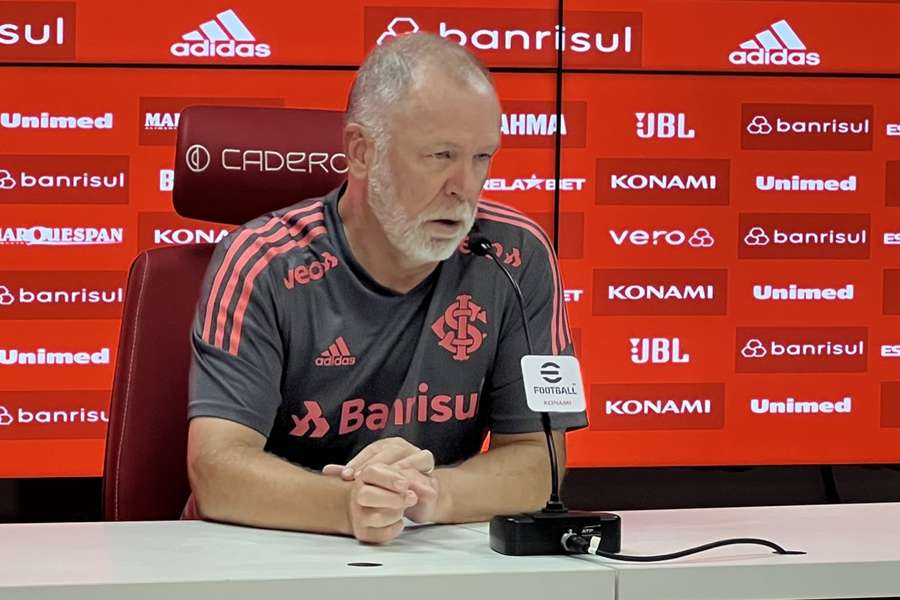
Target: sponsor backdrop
[(730, 241)]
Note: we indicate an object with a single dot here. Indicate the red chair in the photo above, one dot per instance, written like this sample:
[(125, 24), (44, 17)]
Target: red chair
[(232, 164)]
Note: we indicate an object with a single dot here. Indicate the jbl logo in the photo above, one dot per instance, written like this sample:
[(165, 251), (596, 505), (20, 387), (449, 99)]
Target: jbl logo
[(663, 126), (657, 351)]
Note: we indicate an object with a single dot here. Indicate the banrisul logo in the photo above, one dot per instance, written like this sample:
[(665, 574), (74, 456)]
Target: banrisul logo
[(226, 36), (777, 45)]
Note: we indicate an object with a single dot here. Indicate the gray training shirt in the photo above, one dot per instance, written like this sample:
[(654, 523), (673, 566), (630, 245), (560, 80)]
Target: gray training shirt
[(294, 339)]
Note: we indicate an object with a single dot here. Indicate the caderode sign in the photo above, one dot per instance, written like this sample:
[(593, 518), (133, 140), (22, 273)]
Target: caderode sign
[(657, 406), (518, 36), (37, 30), (662, 181), (806, 126), (660, 291), (800, 235), (801, 349)]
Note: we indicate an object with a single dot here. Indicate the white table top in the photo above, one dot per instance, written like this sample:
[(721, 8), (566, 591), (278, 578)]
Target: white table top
[(191, 559)]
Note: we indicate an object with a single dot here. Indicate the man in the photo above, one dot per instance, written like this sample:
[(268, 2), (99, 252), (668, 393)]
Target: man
[(346, 346)]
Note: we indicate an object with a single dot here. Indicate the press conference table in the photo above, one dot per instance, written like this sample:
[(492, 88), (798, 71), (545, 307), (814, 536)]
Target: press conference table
[(854, 551)]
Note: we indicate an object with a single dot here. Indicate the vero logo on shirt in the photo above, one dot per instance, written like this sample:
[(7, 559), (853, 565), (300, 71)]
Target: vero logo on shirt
[(303, 274)]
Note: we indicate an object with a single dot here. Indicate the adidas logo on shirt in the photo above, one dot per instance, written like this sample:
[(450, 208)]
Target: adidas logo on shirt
[(225, 36), (777, 45), (337, 355)]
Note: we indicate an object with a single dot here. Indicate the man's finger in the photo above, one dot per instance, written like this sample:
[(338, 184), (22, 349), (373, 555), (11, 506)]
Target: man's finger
[(380, 535), (422, 461), (384, 477), (371, 496), (332, 470)]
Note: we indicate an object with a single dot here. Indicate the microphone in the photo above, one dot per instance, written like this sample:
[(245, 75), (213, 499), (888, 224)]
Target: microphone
[(541, 533)]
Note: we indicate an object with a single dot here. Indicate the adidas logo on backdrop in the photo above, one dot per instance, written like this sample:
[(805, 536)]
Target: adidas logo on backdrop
[(777, 45), (225, 36)]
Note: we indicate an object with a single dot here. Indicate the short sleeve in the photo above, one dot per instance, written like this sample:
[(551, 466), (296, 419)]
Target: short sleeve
[(542, 289), (237, 352)]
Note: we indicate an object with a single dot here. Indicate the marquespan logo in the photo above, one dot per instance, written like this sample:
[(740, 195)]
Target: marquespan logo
[(159, 116), (225, 36), (457, 330), (777, 45), (60, 236), (37, 30)]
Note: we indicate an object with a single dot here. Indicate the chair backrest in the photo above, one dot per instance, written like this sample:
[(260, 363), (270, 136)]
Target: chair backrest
[(232, 164)]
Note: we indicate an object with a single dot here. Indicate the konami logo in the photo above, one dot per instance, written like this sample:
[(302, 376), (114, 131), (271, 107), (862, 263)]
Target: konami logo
[(50, 414), (37, 30), (159, 116), (806, 127), (225, 36), (699, 238), (565, 184), (801, 349), (777, 45), (660, 291), (159, 229), (892, 291), (657, 406), (792, 406), (534, 124), (518, 37), (41, 356), (61, 294), (63, 179), (662, 181), (45, 120), (61, 236), (795, 183), (803, 235), (890, 404)]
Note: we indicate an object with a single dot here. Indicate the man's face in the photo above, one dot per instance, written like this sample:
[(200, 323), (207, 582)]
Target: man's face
[(425, 184)]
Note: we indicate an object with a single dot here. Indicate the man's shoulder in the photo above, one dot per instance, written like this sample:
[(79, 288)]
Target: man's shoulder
[(509, 226)]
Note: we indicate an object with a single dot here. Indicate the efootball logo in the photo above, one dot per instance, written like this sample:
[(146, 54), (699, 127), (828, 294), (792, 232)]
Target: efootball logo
[(225, 36), (776, 45)]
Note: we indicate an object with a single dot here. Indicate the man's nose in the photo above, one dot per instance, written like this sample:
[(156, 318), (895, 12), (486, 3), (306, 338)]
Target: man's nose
[(463, 181)]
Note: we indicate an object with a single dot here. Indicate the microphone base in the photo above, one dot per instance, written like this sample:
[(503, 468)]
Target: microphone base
[(540, 533)]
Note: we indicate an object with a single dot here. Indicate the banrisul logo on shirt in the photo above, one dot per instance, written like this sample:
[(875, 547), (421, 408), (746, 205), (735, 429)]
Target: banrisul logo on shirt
[(518, 36), (225, 36)]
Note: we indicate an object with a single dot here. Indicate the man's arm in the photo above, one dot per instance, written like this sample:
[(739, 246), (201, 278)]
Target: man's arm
[(235, 480), (512, 476)]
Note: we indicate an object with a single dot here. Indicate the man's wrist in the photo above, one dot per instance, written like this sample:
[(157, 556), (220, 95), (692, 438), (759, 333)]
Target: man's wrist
[(443, 512)]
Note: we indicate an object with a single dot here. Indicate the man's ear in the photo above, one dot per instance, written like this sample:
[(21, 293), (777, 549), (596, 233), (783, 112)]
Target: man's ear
[(360, 150)]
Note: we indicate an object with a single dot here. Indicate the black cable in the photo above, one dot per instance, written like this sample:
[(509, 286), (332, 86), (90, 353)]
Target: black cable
[(579, 544), (557, 135)]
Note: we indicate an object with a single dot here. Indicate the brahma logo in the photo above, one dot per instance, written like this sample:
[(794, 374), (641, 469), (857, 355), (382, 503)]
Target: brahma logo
[(49, 414), (804, 236), (159, 116), (534, 124), (61, 294), (777, 45), (37, 30), (159, 229), (806, 127), (61, 236), (657, 406), (795, 183), (792, 406), (796, 293), (47, 121), (42, 357), (662, 181), (314, 271), (892, 291), (801, 349), (663, 126), (658, 351), (518, 37), (63, 179), (226, 36), (565, 184), (699, 238), (660, 291)]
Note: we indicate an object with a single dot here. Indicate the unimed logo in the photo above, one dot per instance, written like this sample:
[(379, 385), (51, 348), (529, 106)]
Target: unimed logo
[(654, 406), (158, 117), (158, 229), (803, 235), (892, 291), (37, 30), (660, 291), (534, 124), (662, 181), (63, 179), (44, 357), (801, 349), (518, 36), (806, 127), (61, 294), (890, 404), (50, 414)]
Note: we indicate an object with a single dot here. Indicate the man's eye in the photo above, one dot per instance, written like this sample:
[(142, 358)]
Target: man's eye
[(483, 156), (444, 154)]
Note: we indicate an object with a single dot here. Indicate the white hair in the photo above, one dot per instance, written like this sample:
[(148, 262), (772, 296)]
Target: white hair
[(390, 71)]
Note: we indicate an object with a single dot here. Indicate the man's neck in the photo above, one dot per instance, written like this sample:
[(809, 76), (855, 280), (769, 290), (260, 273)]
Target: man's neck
[(370, 246)]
